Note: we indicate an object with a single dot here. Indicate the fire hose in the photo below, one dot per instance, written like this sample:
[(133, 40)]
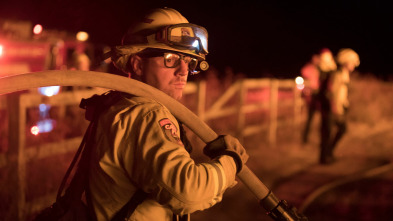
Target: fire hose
[(275, 208)]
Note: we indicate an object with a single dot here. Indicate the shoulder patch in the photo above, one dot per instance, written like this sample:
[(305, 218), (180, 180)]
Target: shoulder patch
[(170, 130)]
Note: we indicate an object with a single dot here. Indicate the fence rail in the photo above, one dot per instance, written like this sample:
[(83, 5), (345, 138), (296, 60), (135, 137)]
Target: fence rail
[(240, 89), (17, 104)]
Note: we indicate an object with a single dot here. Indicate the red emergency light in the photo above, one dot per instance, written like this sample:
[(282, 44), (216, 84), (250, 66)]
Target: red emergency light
[(35, 130)]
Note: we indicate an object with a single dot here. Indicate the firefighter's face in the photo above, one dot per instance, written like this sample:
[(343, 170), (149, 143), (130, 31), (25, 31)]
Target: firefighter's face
[(153, 71)]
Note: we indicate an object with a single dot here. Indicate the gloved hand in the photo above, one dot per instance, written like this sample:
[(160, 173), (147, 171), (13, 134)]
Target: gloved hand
[(227, 145)]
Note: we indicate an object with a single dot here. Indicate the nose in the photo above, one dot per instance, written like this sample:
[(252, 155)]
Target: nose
[(182, 69)]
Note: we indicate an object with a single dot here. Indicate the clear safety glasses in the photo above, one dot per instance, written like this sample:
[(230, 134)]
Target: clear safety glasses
[(172, 60), (185, 35)]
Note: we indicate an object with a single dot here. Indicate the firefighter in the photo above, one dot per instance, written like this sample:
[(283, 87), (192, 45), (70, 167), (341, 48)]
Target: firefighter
[(140, 145), (310, 72), (315, 71), (335, 103)]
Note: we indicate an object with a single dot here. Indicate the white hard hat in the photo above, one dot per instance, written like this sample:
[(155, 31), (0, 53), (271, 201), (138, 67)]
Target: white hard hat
[(347, 55)]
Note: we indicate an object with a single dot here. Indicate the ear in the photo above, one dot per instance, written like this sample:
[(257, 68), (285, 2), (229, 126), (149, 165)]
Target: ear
[(136, 65)]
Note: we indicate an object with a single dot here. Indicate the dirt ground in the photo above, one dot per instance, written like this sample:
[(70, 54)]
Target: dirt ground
[(292, 171)]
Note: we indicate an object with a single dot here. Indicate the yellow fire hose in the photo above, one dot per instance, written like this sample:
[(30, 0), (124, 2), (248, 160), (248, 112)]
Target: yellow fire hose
[(278, 210)]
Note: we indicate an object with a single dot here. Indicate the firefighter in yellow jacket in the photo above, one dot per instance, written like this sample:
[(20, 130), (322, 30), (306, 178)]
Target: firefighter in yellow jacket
[(335, 103), (139, 144)]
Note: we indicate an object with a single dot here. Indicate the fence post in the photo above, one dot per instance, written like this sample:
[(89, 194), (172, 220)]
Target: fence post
[(273, 112), (297, 105), (241, 114), (16, 147), (201, 99)]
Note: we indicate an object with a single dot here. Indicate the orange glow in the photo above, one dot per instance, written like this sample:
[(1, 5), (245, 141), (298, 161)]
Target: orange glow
[(34, 130), (1, 50), (37, 29), (82, 36)]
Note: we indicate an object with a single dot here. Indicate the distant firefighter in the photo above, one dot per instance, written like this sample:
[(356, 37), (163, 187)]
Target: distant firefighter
[(335, 104), (313, 72), (80, 60)]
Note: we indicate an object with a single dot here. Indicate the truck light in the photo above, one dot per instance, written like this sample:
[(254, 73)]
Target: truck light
[(49, 91), (37, 29), (299, 83), (82, 36), (35, 130)]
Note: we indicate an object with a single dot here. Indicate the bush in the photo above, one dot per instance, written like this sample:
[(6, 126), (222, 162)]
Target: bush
[(370, 100)]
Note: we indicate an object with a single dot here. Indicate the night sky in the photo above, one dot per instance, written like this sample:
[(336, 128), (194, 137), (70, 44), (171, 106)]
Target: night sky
[(273, 38)]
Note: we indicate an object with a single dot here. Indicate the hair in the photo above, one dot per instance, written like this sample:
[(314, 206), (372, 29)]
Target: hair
[(325, 50)]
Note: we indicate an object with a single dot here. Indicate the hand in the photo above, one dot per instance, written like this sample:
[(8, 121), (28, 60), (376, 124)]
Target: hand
[(227, 145)]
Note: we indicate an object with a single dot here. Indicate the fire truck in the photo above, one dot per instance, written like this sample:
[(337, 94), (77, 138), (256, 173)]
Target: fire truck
[(26, 48)]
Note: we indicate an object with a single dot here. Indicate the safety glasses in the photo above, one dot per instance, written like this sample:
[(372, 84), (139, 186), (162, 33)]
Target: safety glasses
[(185, 35), (172, 60)]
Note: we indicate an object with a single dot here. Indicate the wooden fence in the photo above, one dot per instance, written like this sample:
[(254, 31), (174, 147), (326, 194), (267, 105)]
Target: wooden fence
[(241, 90), (18, 156)]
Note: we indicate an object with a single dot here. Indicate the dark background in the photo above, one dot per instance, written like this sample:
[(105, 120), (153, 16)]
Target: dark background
[(257, 38)]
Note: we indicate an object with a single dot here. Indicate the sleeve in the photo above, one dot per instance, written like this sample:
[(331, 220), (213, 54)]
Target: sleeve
[(163, 168), (334, 90)]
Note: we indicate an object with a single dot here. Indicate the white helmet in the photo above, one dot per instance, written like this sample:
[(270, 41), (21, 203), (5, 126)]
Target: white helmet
[(163, 28), (347, 55)]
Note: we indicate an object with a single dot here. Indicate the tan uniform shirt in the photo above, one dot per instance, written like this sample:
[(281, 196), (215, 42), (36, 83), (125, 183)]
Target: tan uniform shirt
[(340, 82), (139, 146)]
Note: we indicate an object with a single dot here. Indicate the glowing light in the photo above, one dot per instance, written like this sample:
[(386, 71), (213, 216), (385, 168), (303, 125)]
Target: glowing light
[(299, 83), (35, 130), (1, 50), (299, 80), (195, 44), (49, 91), (43, 107), (37, 29), (82, 36), (45, 126), (300, 86)]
